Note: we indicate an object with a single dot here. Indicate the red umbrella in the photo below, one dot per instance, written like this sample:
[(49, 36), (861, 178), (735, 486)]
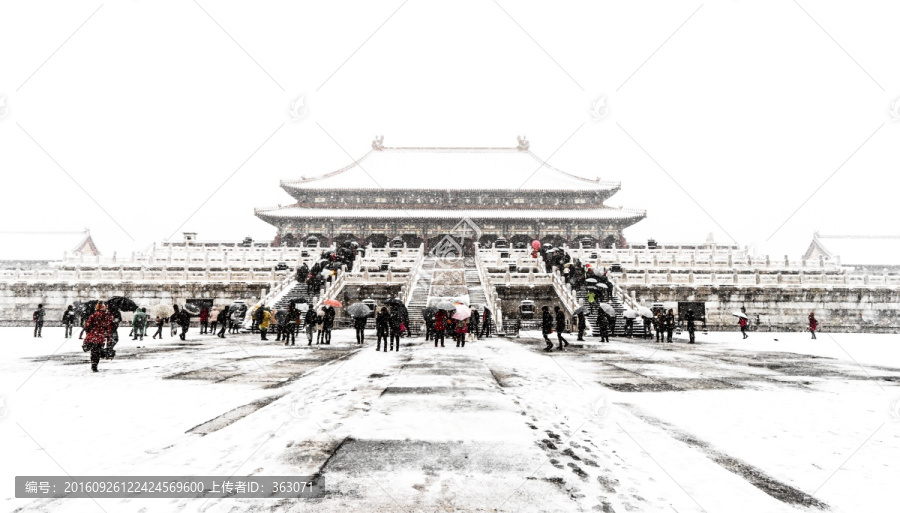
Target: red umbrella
[(332, 302), (536, 244)]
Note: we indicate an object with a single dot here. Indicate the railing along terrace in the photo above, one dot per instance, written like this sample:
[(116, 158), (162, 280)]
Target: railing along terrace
[(494, 303), (757, 278), (203, 254), (143, 276), (640, 259)]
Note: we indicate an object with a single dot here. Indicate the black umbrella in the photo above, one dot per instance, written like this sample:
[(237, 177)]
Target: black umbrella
[(88, 307), (123, 304), (359, 310), (394, 301), (429, 312), (192, 309)]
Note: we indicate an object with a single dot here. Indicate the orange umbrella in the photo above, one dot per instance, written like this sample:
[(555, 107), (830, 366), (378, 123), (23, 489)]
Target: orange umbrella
[(332, 302)]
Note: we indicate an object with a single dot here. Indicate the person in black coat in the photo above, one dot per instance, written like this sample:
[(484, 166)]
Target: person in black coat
[(603, 324), (670, 325), (396, 321), (547, 326), (486, 323), (691, 327), (560, 327), (38, 318), (382, 326), (328, 325), (360, 324), (302, 273), (292, 320), (68, 320), (582, 325), (474, 322), (310, 322), (222, 320)]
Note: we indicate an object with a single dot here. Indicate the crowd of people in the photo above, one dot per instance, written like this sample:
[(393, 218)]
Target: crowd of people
[(441, 324)]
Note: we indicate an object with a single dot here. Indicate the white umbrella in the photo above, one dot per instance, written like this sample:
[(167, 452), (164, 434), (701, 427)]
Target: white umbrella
[(445, 305), (740, 314), (606, 307), (163, 310), (644, 311), (629, 314)]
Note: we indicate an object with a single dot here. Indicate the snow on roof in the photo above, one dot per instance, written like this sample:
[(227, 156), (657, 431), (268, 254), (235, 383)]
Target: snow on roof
[(454, 168), (421, 213), (861, 250), (22, 246)]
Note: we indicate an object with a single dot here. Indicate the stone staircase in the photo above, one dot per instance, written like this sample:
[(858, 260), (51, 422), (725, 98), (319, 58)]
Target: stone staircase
[(619, 330), (477, 294), (421, 290), (297, 291)]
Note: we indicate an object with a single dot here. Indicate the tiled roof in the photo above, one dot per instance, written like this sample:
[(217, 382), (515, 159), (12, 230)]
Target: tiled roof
[(450, 168), (393, 213)]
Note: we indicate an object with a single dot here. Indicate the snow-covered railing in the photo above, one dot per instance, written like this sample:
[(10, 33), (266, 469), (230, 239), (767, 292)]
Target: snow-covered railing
[(333, 288), (122, 275), (406, 290), (687, 258), (490, 293), (375, 278), (808, 279), (567, 296), (201, 255)]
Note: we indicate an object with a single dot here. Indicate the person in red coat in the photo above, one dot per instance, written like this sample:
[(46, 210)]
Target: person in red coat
[(99, 328), (813, 324), (742, 321), (204, 320), (461, 330), (440, 318)]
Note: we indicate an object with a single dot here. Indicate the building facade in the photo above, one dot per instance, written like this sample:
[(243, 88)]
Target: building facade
[(421, 195)]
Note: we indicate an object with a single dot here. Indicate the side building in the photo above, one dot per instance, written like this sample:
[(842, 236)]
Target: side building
[(420, 195)]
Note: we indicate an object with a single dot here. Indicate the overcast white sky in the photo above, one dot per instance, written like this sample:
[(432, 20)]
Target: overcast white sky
[(743, 109)]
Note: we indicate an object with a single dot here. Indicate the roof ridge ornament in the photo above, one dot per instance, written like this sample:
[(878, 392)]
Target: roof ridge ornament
[(378, 143), (523, 143)]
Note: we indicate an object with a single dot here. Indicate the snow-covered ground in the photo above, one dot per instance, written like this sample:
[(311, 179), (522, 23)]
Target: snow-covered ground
[(726, 425)]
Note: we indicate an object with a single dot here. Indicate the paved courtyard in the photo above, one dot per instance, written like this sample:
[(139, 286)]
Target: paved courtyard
[(774, 423)]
